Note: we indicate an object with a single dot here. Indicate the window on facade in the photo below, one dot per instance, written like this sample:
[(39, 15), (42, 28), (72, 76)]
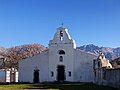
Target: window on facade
[(94, 64), (61, 59), (98, 63), (69, 73), (61, 52), (52, 73), (61, 35), (104, 75)]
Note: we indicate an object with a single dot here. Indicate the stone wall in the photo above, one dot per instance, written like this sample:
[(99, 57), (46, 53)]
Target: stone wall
[(111, 77), (107, 77), (104, 73)]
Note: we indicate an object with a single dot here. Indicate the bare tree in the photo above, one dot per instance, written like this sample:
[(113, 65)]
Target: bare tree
[(15, 54)]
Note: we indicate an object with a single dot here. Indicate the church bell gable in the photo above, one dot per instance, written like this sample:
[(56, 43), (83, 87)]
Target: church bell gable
[(62, 37)]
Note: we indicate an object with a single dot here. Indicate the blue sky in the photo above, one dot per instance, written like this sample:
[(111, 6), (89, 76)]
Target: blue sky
[(35, 21)]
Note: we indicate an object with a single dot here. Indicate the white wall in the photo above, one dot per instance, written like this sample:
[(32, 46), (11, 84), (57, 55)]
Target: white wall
[(2, 75), (83, 66), (27, 66), (67, 60)]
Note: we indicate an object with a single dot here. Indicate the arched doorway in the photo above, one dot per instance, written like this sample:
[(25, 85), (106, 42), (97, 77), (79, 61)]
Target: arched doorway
[(36, 76), (61, 73)]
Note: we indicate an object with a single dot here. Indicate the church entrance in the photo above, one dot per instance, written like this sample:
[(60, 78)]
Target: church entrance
[(36, 76), (60, 73)]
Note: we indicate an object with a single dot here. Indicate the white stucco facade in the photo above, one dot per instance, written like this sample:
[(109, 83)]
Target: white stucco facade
[(83, 66), (61, 62), (27, 67)]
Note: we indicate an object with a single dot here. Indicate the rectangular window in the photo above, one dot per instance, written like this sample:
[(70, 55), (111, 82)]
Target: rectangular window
[(69, 73), (52, 73)]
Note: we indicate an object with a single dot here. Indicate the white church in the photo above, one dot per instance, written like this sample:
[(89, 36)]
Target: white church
[(60, 62)]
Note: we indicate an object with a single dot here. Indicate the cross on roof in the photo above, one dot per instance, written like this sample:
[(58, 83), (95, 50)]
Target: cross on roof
[(62, 24)]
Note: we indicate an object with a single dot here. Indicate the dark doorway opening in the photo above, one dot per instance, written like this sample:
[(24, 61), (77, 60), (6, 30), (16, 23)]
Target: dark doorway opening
[(36, 76), (12, 76), (60, 73)]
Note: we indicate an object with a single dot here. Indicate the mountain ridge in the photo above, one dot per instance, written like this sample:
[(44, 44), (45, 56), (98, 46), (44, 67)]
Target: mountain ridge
[(110, 53)]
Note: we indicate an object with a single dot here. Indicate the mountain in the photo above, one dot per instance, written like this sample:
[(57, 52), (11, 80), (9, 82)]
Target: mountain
[(2, 50), (14, 54), (110, 53)]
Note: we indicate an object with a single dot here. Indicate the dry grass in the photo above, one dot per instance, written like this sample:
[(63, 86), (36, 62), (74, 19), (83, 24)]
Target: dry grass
[(72, 86)]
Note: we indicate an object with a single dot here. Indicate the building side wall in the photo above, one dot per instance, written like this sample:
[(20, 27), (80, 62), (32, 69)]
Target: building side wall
[(108, 77), (113, 77), (83, 66), (27, 67)]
